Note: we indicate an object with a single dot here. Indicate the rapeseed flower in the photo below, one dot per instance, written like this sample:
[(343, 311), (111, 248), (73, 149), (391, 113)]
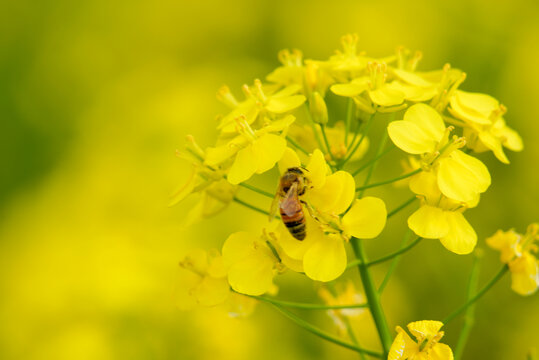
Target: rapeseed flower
[(333, 215), (460, 177), (344, 294), (518, 252), (426, 346)]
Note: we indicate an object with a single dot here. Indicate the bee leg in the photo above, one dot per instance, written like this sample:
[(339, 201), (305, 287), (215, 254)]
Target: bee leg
[(311, 211)]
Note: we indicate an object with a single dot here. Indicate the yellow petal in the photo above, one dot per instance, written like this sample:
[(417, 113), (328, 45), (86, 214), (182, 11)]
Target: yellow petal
[(336, 195), (427, 119), (403, 346), (267, 150), (238, 246), (425, 329), (289, 160), (429, 222), (440, 352), (366, 218), (386, 96), (184, 189), (524, 275), (183, 293), (283, 104), (295, 248), (511, 139), (461, 237), (461, 176), (348, 90), (244, 166), (411, 78), (411, 138), (211, 291), (425, 183), (317, 169), (494, 144), (278, 125), (196, 259), (473, 107), (326, 259), (252, 275)]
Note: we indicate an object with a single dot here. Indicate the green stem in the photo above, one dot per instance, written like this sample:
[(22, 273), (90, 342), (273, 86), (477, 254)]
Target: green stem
[(296, 145), (469, 317), (307, 306), (481, 292), (349, 115), (373, 166), (324, 335), (356, 146), (394, 263), (369, 163), (373, 297), (323, 128), (386, 257), (407, 175), (255, 189), (252, 207), (352, 336), (402, 206), (313, 125)]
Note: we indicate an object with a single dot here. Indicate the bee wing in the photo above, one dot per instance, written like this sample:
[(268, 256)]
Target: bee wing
[(290, 202)]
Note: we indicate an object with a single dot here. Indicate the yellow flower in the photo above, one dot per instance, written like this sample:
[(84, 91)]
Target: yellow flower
[(261, 102), (378, 91), (516, 251), (345, 295), (214, 191), (460, 177), (202, 280), (425, 347), (484, 126), (439, 217), (250, 262), (292, 70), (254, 151), (332, 217)]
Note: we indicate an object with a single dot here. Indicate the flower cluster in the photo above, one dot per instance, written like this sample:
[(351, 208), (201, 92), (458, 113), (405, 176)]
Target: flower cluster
[(283, 127)]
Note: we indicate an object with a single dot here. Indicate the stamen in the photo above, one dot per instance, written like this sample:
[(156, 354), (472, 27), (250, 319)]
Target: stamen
[(225, 96)]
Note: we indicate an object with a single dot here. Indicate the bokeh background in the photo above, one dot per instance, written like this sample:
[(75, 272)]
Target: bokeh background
[(95, 96)]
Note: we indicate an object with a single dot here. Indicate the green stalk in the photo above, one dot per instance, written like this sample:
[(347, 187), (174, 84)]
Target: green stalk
[(367, 164), (356, 146), (373, 166), (407, 175), (481, 292), (296, 145), (323, 128), (252, 207), (352, 336), (313, 125), (307, 306), (402, 206), (386, 257), (255, 189), (469, 317), (394, 263), (373, 297), (324, 335), (349, 115)]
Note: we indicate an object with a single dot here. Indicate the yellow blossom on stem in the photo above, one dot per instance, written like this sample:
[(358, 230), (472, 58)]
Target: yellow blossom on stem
[(344, 295), (484, 124), (460, 177), (202, 280), (439, 217), (517, 251), (332, 217), (426, 346)]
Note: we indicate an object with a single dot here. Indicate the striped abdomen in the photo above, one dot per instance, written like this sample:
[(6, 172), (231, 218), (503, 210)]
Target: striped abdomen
[(292, 215)]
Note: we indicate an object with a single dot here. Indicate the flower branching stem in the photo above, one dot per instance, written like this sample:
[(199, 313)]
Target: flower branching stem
[(373, 297), (386, 257), (255, 189), (477, 296), (469, 318), (323, 128), (306, 306), (365, 186), (352, 335), (394, 263), (324, 335), (252, 207), (349, 116), (369, 163), (402, 206), (313, 125), (356, 146), (407, 175), (296, 145)]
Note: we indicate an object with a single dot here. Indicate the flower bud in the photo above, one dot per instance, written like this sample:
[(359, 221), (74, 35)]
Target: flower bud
[(318, 108)]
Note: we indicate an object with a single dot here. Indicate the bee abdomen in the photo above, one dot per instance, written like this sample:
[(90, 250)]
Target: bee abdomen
[(295, 225)]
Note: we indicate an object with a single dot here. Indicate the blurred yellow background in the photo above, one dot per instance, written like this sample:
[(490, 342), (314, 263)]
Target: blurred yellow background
[(95, 96)]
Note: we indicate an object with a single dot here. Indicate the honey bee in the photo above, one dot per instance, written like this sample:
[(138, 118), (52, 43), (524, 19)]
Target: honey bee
[(291, 186)]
